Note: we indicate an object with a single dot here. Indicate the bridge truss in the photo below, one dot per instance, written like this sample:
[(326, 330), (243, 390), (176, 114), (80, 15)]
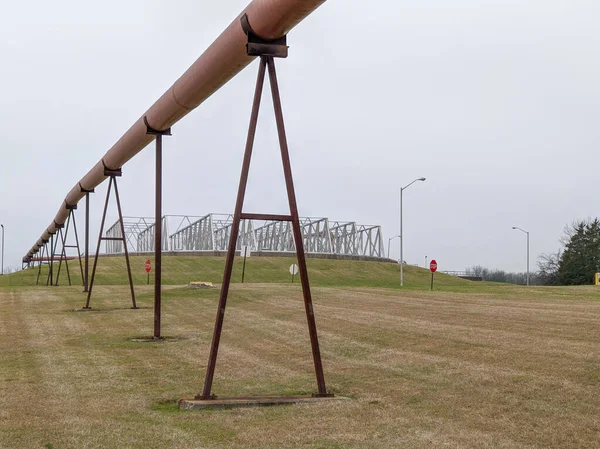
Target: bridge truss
[(211, 232)]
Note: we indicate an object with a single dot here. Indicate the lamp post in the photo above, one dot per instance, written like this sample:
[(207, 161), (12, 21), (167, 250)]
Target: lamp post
[(390, 241), (402, 189), (2, 269), (526, 232)]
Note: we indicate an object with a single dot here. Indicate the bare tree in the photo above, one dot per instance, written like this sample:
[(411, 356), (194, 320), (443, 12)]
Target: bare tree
[(548, 264), (12, 269)]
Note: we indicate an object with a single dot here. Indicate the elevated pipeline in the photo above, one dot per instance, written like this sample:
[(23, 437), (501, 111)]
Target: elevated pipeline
[(222, 60)]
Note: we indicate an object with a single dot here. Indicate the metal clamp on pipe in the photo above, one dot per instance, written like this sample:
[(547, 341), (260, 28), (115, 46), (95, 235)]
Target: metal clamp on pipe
[(110, 171), (257, 46), (156, 132), (70, 206), (84, 190)]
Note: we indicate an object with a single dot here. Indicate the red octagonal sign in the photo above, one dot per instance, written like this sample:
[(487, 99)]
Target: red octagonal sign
[(148, 266), (433, 266)]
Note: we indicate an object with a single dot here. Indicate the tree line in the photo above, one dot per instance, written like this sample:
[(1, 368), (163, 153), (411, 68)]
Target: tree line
[(493, 275), (575, 263)]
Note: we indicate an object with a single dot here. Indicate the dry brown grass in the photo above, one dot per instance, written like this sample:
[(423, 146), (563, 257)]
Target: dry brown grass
[(501, 369)]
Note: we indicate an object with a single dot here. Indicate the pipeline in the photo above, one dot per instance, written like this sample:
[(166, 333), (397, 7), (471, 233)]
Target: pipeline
[(54, 259), (222, 60)]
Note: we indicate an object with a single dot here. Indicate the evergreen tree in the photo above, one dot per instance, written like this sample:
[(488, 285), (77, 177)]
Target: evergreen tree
[(581, 257)]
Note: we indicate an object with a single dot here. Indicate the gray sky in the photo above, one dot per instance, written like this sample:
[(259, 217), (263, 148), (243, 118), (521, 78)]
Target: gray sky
[(495, 102)]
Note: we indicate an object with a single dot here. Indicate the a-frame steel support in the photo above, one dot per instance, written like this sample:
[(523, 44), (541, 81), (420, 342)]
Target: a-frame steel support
[(64, 241), (53, 246), (41, 260), (113, 174), (267, 50)]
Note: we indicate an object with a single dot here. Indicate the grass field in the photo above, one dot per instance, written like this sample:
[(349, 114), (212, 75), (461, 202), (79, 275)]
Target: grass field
[(181, 270), (468, 365)]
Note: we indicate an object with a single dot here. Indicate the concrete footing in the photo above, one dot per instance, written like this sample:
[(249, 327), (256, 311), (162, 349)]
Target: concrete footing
[(220, 403)]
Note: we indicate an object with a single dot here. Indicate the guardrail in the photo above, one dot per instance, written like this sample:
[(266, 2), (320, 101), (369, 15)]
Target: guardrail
[(463, 275)]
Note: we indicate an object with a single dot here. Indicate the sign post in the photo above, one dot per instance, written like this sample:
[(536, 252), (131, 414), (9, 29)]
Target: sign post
[(293, 271), (245, 251), (148, 267), (433, 269)]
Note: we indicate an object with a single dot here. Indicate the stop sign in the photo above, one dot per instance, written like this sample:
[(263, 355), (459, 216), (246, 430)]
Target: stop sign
[(433, 266), (148, 266)]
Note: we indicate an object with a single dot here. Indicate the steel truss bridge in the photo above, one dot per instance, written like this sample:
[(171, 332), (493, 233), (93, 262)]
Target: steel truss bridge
[(212, 232)]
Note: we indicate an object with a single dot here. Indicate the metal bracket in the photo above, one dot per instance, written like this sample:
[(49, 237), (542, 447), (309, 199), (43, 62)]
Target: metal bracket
[(257, 46), (110, 171), (86, 190), (156, 132), (69, 207)]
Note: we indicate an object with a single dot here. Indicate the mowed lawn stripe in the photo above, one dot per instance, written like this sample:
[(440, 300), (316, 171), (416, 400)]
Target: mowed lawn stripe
[(511, 368)]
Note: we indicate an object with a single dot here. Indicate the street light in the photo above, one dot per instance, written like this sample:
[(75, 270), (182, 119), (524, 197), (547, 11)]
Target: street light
[(2, 270), (402, 189), (526, 232), (390, 241)]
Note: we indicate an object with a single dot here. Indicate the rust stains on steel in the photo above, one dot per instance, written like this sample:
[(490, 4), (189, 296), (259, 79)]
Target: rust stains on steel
[(222, 60)]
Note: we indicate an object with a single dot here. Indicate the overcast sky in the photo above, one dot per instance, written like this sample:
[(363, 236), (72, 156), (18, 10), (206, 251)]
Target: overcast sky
[(496, 102)]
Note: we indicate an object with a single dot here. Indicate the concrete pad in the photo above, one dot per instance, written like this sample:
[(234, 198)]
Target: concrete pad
[(201, 285), (220, 403)]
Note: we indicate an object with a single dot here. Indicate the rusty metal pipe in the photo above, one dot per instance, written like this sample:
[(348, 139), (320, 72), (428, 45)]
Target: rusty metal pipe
[(222, 60)]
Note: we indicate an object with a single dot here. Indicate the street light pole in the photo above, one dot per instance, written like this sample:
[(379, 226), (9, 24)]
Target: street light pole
[(390, 241), (402, 189), (526, 232)]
